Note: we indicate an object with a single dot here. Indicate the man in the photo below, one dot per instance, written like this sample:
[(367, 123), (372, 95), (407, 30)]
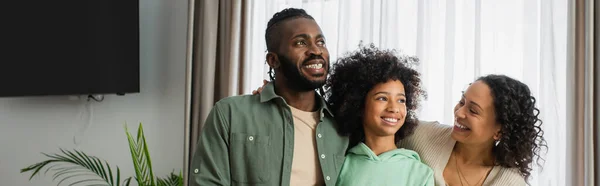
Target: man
[(285, 135)]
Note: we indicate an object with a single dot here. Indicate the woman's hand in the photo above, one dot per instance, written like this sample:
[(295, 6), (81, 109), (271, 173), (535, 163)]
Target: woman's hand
[(257, 91)]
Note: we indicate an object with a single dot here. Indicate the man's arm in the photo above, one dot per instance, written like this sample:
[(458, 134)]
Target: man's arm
[(210, 164)]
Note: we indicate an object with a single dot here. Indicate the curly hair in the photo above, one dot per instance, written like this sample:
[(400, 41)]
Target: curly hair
[(271, 37), (521, 133), (354, 75)]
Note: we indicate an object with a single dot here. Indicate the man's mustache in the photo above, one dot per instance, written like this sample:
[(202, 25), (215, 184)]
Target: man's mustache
[(313, 57)]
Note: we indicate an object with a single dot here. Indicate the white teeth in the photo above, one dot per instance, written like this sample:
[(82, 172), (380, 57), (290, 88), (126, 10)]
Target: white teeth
[(315, 66), (460, 126), (393, 120)]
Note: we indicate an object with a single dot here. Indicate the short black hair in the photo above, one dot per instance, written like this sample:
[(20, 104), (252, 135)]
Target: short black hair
[(354, 75), (273, 25), (521, 132)]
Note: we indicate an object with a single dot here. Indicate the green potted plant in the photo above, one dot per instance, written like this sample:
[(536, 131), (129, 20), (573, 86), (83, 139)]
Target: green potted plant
[(70, 165)]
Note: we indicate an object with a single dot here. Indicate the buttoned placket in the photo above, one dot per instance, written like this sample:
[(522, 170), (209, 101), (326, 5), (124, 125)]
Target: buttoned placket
[(320, 147), (288, 135)]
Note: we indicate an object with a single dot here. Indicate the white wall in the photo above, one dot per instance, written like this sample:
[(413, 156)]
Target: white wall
[(31, 125)]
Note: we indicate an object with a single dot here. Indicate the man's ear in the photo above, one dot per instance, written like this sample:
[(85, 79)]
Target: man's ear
[(273, 60)]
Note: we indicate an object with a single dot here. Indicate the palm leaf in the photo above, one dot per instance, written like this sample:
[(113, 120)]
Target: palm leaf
[(141, 157), (127, 181), (69, 165), (72, 164), (171, 180)]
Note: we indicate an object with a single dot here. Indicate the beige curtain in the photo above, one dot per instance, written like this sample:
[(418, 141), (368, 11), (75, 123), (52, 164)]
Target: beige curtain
[(218, 60), (596, 116), (580, 96)]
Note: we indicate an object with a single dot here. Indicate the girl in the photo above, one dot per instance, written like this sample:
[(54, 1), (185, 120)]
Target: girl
[(373, 94)]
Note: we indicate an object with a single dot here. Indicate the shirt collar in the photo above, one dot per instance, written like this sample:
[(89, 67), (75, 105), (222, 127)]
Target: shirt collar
[(268, 94)]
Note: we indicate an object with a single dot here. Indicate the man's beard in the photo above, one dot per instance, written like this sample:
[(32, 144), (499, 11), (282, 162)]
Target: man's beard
[(296, 80)]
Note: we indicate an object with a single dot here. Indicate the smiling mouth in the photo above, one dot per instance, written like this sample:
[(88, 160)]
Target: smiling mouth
[(462, 127), (314, 66), (314, 69), (390, 121)]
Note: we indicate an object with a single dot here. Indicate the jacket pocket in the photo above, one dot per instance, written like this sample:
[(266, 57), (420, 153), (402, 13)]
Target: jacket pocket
[(249, 158)]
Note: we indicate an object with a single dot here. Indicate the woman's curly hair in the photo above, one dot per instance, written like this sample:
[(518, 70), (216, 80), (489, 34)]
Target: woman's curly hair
[(521, 133), (354, 75)]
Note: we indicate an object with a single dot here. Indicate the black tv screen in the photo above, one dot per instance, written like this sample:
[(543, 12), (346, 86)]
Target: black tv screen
[(70, 48)]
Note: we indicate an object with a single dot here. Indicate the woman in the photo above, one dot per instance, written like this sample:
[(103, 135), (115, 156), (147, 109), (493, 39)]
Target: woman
[(495, 137), (373, 95)]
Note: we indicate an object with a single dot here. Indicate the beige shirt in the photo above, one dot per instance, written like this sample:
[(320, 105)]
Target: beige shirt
[(434, 144), (305, 164)]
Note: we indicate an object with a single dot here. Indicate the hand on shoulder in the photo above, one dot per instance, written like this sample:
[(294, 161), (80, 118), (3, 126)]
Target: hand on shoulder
[(259, 89)]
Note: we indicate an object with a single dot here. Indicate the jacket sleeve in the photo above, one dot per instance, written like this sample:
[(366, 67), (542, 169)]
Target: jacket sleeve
[(210, 164)]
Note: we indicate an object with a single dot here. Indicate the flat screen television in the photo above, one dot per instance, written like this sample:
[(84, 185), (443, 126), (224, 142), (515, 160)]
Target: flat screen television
[(73, 47)]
